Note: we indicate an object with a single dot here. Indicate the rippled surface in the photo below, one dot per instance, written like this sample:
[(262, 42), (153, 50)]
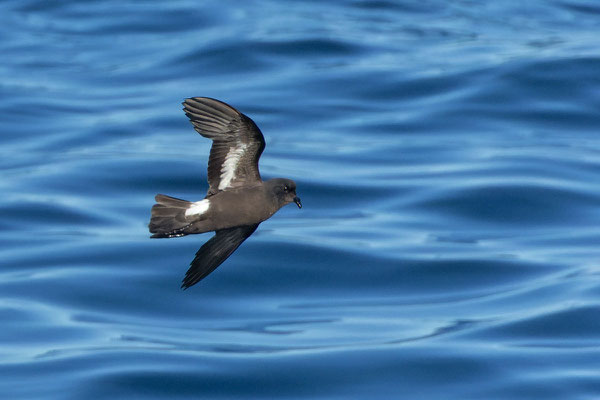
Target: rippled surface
[(447, 155)]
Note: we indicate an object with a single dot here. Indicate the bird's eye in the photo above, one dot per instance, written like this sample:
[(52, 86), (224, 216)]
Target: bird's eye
[(286, 189)]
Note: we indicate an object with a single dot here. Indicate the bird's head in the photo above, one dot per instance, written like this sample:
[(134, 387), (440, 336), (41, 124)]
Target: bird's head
[(284, 191)]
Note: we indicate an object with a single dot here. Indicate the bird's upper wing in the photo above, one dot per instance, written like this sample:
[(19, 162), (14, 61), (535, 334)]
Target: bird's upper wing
[(237, 143), (215, 251)]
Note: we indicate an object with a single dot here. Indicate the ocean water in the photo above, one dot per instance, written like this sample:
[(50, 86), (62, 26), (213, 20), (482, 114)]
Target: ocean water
[(447, 154)]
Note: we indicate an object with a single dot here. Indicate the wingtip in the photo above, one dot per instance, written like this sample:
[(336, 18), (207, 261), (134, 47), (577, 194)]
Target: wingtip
[(186, 104), (186, 284), (197, 99)]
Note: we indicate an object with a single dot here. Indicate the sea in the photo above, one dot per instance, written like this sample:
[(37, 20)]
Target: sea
[(447, 154)]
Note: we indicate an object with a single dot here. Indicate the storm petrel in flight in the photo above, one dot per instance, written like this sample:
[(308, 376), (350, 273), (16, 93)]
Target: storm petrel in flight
[(238, 200)]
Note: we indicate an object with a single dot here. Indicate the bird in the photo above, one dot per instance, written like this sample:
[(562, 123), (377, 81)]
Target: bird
[(237, 200)]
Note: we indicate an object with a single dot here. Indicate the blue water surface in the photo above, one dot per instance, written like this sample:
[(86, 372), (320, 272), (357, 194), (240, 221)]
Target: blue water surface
[(447, 154)]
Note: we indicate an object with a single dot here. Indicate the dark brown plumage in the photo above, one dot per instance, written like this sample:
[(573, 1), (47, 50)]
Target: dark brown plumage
[(237, 201), (229, 130)]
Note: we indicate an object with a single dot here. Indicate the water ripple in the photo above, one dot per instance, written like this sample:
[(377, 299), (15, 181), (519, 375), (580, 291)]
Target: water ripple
[(446, 154)]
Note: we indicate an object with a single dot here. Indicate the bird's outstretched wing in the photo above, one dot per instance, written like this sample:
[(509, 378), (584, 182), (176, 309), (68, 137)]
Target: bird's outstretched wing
[(215, 251), (237, 143)]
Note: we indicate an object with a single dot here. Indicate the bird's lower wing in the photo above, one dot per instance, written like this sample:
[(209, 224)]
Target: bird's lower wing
[(215, 251)]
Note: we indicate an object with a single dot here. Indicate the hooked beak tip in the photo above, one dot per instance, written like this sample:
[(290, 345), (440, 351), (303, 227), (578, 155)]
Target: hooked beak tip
[(298, 202)]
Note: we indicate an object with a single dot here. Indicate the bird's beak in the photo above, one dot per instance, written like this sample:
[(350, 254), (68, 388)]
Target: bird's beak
[(298, 202)]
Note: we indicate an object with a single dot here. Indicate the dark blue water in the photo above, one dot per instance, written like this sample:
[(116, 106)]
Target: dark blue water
[(447, 155)]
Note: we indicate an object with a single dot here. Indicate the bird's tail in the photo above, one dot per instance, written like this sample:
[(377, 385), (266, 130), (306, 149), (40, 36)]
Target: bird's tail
[(168, 217)]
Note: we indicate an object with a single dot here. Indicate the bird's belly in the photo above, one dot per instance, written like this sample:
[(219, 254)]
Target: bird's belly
[(228, 213)]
